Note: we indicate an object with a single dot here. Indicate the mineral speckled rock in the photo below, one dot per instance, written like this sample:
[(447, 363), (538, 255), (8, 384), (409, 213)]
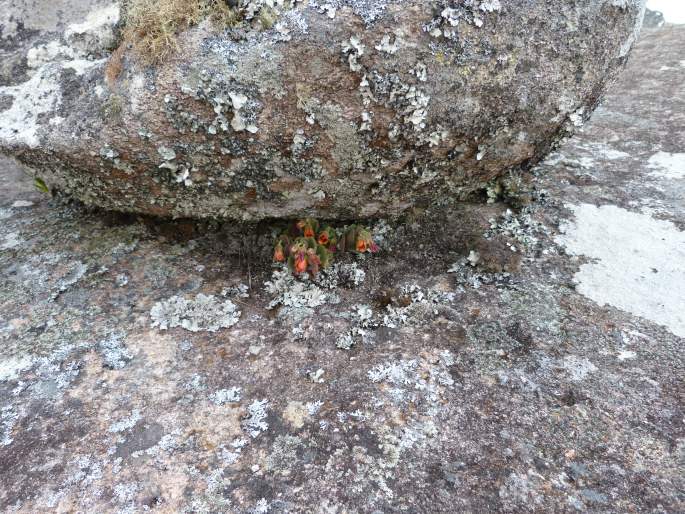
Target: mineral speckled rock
[(343, 109), (408, 381)]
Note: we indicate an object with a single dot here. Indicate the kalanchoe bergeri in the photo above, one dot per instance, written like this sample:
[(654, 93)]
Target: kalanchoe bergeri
[(307, 256), (281, 249), (358, 239), (306, 248), (328, 237), (308, 227)]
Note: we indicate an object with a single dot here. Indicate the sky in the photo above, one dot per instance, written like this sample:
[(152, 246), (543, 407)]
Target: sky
[(674, 10)]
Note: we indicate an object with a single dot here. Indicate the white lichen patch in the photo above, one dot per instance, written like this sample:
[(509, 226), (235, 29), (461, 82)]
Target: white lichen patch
[(203, 313), (8, 418), (520, 226), (637, 262), (296, 298), (283, 454), (224, 396), (420, 304), (127, 423), (40, 95), (348, 275), (114, 353), (667, 165), (255, 423), (419, 386), (578, 368), (469, 11)]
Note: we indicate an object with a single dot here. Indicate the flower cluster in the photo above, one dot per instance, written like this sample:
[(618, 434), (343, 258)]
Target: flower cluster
[(306, 247)]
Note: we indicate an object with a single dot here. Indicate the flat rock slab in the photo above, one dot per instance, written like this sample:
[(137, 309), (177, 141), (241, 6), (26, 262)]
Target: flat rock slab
[(462, 388)]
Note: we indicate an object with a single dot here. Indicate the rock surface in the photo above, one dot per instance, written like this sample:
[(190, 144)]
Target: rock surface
[(499, 387), (341, 110)]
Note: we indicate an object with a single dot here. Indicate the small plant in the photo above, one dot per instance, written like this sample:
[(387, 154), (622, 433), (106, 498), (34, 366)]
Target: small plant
[(307, 247), (40, 185), (358, 239), (152, 26)]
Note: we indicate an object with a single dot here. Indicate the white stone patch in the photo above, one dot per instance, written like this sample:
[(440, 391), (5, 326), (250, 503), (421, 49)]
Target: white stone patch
[(667, 165), (80, 66), (578, 368), (11, 240), (41, 54), (39, 95), (103, 17), (21, 204), (638, 263), (606, 151), (625, 355)]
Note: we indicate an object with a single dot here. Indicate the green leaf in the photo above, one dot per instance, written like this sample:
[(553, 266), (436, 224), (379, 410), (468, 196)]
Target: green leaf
[(41, 185)]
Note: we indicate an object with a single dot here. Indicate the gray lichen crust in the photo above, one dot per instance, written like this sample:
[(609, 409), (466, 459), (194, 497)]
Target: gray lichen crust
[(342, 109)]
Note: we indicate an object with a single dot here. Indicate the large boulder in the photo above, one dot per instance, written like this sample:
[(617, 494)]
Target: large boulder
[(336, 109)]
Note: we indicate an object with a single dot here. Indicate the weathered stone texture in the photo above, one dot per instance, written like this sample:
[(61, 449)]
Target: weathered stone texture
[(414, 380), (343, 110)]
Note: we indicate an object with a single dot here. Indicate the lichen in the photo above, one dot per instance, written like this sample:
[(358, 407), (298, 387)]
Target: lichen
[(203, 313), (115, 355), (255, 422), (223, 396)]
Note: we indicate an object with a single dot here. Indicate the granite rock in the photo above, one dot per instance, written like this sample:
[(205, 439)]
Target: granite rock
[(482, 385), (341, 110)]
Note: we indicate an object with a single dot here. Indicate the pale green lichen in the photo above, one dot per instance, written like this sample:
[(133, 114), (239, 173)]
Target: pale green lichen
[(203, 313)]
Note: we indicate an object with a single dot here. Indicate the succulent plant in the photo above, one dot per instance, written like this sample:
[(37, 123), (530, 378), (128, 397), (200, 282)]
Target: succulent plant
[(358, 239), (307, 248)]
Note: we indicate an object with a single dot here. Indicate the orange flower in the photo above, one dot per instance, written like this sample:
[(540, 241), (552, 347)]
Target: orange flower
[(361, 245), (279, 255), (323, 238), (308, 231), (300, 263)]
